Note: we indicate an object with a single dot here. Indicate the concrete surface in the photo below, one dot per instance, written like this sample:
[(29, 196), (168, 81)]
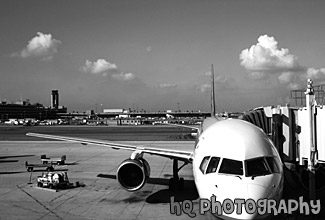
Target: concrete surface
[(100, 198)]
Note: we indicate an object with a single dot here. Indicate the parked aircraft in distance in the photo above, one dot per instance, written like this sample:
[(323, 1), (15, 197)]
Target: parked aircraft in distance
[(232, 159)]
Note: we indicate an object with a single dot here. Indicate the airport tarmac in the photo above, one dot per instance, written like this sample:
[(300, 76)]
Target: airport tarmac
[(100, 195)]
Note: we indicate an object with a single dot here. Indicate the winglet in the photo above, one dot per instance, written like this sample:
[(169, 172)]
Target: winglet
[(213, 104)]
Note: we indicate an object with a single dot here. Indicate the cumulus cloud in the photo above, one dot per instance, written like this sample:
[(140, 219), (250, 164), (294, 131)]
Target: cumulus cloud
[(99, 67), (106, 69), (42, 45), (124, 76), (265, 59), (266, 56)]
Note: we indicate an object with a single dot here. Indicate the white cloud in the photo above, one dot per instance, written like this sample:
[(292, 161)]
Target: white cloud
[(265, 59), (106, 69), (124, 76), (286, 77), (315, 74), (42, 45), (265, 56), (99, 66), (299, 80)]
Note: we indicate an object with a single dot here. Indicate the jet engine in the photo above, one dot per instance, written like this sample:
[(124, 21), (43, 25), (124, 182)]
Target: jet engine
[(132, 174)]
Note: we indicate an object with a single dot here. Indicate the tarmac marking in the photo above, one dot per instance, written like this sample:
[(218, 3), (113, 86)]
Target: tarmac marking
[(50, 211), (45, 189)]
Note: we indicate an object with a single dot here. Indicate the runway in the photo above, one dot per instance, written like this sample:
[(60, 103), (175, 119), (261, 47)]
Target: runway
[(101, 196)]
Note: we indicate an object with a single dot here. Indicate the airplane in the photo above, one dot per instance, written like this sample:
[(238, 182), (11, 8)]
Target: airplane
[(231, 159)]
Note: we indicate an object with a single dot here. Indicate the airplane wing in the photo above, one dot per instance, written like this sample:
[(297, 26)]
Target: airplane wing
[(193, 127), (172, 154)]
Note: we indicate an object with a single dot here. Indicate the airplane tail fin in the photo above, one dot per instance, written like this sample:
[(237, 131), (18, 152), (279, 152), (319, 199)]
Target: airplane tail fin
[(213, 103)]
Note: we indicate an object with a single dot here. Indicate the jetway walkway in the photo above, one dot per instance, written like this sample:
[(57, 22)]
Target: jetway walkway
[(298, 134)]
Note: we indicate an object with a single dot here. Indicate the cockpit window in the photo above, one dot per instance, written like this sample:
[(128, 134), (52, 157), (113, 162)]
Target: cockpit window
[(204, 164), (274, 164), (213, 165), (229, 166), (257, 167)]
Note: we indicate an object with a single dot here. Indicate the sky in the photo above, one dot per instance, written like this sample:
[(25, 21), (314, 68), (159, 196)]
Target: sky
[(157, 54)]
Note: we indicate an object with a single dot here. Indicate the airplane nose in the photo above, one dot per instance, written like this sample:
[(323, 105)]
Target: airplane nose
[(252, 192), (257, 192)]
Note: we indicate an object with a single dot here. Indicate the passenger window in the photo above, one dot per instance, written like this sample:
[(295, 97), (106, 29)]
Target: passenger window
[(257, 167), (273, 164), (204, 164), (213, 165), (229, 166)]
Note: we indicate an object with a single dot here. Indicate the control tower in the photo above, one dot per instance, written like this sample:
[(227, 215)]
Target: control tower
[(55, 99)]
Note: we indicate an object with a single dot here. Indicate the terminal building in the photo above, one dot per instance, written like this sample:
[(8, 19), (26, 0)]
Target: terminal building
[(25, 109)]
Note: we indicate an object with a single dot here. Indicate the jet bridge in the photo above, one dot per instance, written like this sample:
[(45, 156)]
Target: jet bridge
[(298, 134)]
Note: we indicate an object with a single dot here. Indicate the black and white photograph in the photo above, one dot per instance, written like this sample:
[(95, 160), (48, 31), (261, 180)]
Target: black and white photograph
[(162, 109)]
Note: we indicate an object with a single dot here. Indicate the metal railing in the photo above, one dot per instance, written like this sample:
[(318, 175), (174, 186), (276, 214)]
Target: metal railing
[(299, 97)]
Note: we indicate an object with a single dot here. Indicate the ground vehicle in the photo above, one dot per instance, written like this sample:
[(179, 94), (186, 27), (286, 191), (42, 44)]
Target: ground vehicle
[(59, 161), (30, 167), (53, 180)]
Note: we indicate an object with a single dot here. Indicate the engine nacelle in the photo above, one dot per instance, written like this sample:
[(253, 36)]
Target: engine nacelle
[(133, 174)]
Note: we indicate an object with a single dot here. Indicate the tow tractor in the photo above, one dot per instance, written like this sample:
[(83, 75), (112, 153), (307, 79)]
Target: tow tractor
[(53, 180)]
